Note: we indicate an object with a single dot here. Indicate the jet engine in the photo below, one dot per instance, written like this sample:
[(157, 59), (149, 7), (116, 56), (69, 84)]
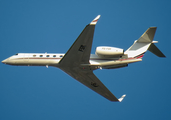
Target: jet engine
[(105, 51)]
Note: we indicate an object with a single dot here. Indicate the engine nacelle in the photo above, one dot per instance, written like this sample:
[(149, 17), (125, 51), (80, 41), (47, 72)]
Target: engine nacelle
[(104, 51)]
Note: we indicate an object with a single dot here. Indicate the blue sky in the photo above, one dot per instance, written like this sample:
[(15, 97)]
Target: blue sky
[(33, 93)]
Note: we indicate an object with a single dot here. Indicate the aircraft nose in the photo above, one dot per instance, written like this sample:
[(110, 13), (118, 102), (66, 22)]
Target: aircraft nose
[(4, 61)]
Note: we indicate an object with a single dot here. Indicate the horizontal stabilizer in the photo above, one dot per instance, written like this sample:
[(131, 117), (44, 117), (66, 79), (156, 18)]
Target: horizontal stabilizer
[(155, 51), (120, 99)]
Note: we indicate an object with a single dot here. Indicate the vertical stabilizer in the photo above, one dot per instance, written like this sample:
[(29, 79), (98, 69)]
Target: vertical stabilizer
[(141, 45), (148, 35), (144, 43)]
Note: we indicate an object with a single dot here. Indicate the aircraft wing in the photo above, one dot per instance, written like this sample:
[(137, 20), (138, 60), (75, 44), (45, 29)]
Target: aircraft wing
[(78, 54), (87, 78)]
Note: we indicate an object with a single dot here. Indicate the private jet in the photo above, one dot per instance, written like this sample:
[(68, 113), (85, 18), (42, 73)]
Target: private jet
[(79, 63)]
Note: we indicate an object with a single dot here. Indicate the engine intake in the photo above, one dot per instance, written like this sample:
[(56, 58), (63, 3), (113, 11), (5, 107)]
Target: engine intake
[(104, 51)]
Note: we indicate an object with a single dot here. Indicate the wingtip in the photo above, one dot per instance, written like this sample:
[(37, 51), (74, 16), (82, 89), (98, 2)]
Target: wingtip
[(95, 20), (120, 99)]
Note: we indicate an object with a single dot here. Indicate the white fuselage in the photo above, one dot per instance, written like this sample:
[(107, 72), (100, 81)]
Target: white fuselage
[(34, 59), (52, 59)]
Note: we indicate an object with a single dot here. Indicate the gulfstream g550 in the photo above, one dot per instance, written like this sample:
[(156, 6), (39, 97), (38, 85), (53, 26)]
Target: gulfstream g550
[(79, 63)]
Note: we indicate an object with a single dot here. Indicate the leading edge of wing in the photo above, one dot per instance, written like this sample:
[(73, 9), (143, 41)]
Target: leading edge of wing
[(79, 52)]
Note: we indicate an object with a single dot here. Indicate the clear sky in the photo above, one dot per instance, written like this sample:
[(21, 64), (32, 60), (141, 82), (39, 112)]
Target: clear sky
[(38, 93)]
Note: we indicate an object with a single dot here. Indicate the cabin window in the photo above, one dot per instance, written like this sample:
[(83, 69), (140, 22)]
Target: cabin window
[(41, 55), (47, 55), (61, 55), (54, 55), (34, 55)]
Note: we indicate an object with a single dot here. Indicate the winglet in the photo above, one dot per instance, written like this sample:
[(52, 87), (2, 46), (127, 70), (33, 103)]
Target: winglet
[(120, 99), (95, 20)]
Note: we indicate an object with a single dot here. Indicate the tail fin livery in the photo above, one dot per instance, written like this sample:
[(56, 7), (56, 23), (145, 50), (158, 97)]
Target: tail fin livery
[(144, 43)]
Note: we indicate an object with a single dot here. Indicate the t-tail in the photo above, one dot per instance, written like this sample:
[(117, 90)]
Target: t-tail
[(144, 43)]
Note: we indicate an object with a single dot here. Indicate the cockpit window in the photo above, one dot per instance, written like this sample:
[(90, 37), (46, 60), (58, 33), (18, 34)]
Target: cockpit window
[(16, 54)]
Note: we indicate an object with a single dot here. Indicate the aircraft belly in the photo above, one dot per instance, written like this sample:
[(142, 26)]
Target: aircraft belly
[(32, 62), (43, 62), (111, 63)]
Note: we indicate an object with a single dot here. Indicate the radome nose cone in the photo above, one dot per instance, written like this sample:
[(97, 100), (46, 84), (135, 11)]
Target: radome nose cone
[(4, 61)]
